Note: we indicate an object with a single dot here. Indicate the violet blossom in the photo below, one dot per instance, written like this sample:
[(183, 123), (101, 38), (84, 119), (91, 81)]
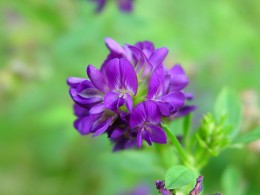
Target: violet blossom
[(123, 5), (129, 95), (146, 117)]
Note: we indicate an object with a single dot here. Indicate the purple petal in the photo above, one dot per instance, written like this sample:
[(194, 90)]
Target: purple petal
[(85, 85), (146, 137), (156, 82), (113, 46), (97, 78), (113, 74), (87, 93), (79, 110), (145, 45), (125, 5), (128, 102), (99, 108), (128, 75), (138, 115), (116, 133), (84, 125), (148, 45), (142, 63), (165, 108), (158, 56), (139, 139), (81, 100), (96, 118), (158, 135), (102, 127), (188, 96), (111, 100), (136, 52), (185, 110), (74, 81), (120, 102), (121, 75), (152, 112), (176, 99), (179, 80)]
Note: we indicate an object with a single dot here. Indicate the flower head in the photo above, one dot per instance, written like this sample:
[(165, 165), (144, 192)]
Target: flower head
[(129, 95)]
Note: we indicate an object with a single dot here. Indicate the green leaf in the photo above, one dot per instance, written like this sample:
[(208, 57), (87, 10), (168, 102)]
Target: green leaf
[(229, 105), (178, 176), (248, 137), (231, 181)]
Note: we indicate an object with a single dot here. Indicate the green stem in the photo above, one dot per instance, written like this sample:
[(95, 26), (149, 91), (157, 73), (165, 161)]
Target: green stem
[(177, 145)]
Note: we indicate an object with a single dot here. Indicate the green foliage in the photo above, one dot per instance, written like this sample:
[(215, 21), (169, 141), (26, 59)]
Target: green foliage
[(213, 136), (248, 137), (231, 181), (229, 106), (178, 176)]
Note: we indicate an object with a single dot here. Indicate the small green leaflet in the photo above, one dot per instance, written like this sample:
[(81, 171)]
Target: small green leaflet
[(178, 176)]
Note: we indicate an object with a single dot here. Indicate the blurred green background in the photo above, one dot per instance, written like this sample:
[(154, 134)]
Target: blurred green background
[(42, 42)]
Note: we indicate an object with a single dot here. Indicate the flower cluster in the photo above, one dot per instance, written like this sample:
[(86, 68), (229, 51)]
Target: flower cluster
[(128, 96), (123, 5)]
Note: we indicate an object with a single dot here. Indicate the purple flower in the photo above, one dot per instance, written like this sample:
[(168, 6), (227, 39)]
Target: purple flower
[(123, 5), (146, 118), (104, 96), (127, 97), (160, 185)]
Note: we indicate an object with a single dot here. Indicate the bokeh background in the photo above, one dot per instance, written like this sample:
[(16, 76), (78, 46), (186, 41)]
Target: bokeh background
[(42, 42)]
